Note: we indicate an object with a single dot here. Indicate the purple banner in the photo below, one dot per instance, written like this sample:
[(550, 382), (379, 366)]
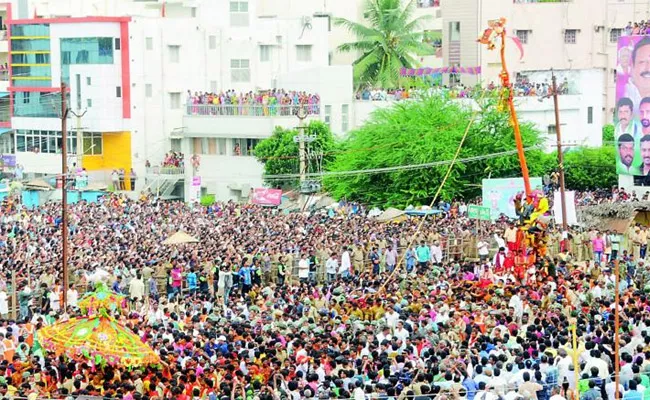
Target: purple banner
[(443, 70), (8, 161)]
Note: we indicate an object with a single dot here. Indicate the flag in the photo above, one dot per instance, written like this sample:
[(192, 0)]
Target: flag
[(163, 10)]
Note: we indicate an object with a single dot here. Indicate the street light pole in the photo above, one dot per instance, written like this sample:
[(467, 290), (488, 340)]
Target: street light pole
[(64, 193), (302, 114), (560, 156)]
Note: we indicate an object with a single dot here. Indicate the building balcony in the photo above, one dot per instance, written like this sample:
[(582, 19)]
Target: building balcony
[(242, 121), (540, 1), (428, 3)]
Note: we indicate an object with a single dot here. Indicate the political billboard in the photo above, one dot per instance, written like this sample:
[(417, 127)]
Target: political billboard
[(632, 113), (499, 194)]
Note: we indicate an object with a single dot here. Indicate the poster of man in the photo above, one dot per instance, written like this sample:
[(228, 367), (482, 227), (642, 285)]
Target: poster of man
[(632, 119)]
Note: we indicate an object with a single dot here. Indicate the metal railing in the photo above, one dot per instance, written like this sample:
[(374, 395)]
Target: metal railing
[(249, 110), (165, 170), (540, 1)]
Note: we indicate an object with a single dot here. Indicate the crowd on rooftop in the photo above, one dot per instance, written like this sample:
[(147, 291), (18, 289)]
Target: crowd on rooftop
[(522, 87), (637, 28), (256, 103)]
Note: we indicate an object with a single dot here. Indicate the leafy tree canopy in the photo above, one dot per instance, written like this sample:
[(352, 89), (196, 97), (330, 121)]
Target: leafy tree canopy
[(391, 40), (425, 131), (280, 153)]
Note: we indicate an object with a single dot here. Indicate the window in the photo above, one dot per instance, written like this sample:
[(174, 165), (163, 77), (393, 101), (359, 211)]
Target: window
[(117, 43), (78, 82), (522, 35), (92, 143), (615, 34), (240, 71), (239, 13), (265, 53), (303, 53), (175, 100), (454, 31), (148, 43), (590, 115), (89, 103), (88, 81), (328, 115), (193, 12), (118, 91), (570, 36), (213, 86), (345, 117), (148, 90), (175, 145), (51, 142), (221, 147), (174, 54), (212, 42), (551, 130), (244, 147)]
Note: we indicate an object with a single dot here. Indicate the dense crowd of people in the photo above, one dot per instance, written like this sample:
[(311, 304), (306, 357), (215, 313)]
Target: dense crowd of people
[(523, 87), (259, 103), (325, 305), (637, 28)]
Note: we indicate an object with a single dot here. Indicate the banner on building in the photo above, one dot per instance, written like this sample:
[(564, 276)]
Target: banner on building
[(570, 200), (442, 70), (195, 189), (7, 161), (267, 197), (499, 194), (632, 112)]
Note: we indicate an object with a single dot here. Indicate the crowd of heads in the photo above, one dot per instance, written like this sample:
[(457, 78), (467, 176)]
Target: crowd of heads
[(260, 103), (523, 87), (323, 304), (637, 28)]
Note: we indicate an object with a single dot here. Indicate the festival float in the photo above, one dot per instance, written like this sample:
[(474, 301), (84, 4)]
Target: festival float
[(531, 206), (99, 337)]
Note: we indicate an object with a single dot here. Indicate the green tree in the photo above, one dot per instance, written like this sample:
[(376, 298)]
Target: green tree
[(420, 132), (590, 168), (608, 133), (391, 40), (280, 154)]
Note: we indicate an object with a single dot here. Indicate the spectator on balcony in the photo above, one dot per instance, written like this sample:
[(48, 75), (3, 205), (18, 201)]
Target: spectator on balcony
[(628, 28), (115, 178), (237, 150), (134, 178)]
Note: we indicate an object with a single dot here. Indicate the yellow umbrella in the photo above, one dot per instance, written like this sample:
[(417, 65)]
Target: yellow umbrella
[(99, 338), (180, 238)]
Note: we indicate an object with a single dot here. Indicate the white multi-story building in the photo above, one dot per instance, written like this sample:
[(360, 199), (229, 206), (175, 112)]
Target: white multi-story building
[(577, 35), (134, 87)]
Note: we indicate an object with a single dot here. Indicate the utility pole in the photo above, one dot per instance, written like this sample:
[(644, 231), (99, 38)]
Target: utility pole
[(560, 156), (617, 360), (302, 114), (80, 152), (64, 193)]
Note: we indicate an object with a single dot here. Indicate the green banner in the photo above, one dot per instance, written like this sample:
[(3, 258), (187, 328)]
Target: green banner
[(478, 212)]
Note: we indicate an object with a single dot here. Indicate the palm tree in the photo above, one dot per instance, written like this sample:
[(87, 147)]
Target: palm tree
[(390, 41)]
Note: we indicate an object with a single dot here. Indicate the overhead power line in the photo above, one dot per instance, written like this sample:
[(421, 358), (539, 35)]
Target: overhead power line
[(399, 167)]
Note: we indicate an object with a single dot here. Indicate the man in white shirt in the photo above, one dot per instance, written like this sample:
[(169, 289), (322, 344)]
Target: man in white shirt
[(346, 264), (436, 253), (401, 333), (303, 268), (332, 267), (483, 250)]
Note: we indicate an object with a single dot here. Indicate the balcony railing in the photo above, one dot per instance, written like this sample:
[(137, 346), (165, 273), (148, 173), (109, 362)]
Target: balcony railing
[(540, 1), (428, 3), (156, 170), (249, 110)]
